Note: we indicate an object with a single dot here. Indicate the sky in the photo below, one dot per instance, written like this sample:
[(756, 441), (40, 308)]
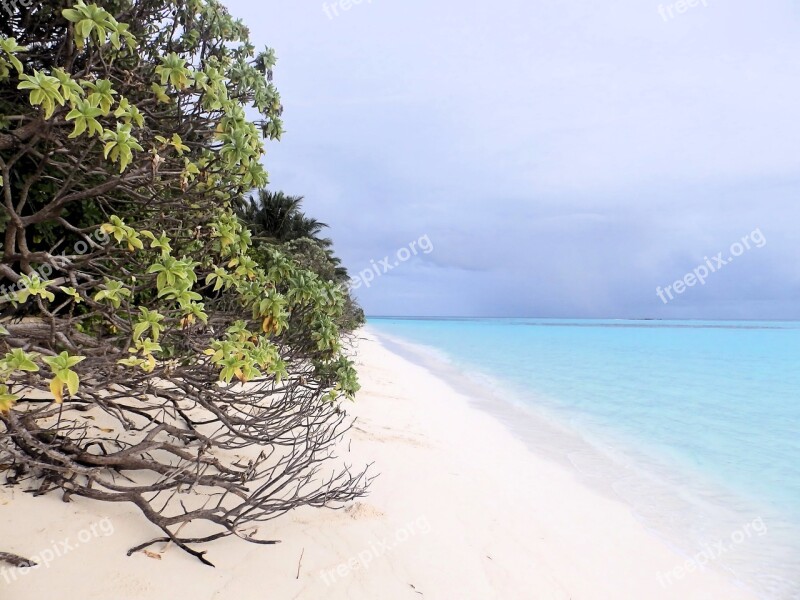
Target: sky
[(568, 158)]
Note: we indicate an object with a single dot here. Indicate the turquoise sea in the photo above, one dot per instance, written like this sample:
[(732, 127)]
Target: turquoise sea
[(694, 424)]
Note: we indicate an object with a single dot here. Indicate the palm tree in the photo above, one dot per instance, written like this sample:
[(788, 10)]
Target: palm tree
[(276, 217)]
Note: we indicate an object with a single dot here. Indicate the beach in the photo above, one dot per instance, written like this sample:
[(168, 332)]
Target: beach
[(461, 509)]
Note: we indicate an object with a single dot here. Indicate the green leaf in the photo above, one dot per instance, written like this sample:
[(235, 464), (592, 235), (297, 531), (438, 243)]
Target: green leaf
[(161, 93), (173, 70), (70, 14), (10, 48), (101, 94), (73, 381), (114, 293), (73, 293), (19, 360), (71, 361), (178, 144), (85, 117), (119, 148), (28, 365), (90, 20), (140, 328), (70, 88), (44, 91)]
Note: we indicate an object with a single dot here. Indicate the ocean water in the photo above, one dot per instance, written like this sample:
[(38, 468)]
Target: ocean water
[(695, 424)]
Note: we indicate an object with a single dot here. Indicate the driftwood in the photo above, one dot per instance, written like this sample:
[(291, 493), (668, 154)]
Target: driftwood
[(16, 561), (37, 328)]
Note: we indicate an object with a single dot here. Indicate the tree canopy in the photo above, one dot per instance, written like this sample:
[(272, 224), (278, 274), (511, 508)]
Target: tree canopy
[(277, 217), (148, 353)]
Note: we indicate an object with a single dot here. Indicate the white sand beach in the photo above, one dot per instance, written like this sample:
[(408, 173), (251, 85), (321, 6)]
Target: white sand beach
[(461, 510)]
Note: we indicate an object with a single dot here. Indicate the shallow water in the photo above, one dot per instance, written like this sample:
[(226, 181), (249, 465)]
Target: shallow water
[(695, 424)]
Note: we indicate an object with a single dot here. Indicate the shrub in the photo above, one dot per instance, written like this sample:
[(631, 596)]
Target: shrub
[(147, 356)]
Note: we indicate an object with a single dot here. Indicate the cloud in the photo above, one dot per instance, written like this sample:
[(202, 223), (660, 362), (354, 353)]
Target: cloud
[(566, 158)]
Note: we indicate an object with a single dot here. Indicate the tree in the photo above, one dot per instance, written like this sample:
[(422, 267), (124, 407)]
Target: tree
[(313, 256), (276, 220), (158, 363), (277, 217)]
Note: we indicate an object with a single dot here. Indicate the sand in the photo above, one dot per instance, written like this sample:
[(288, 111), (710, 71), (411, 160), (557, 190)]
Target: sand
[(462, 509)]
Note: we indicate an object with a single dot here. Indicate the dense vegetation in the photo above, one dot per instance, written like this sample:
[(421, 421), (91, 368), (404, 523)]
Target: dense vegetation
[(154, 350), (276, 220)]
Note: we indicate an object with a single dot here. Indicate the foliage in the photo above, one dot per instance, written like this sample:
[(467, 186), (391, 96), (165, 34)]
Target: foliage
[(318, 258), (276, 217), (276, 220), (184, 341)]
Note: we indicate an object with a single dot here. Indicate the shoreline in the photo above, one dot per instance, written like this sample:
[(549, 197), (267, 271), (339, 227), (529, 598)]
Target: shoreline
[(698, 519), (687, 511), (462, 509)]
